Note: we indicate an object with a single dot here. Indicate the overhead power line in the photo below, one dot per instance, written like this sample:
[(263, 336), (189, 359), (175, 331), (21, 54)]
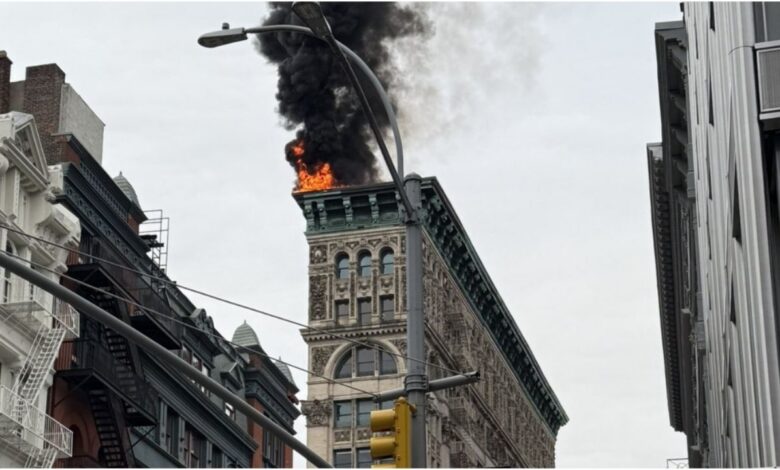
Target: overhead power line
[(232, 303), (192, 327)]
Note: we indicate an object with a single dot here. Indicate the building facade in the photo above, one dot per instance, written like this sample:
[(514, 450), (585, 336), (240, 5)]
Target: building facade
[(122, 406), (33, 324), (714, 198), (357, 289)]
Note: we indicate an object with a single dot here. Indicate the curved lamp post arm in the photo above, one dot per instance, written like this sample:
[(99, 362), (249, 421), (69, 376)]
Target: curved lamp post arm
[(228, 36)]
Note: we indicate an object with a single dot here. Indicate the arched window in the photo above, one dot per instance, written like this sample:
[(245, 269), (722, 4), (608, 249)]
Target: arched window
[(342, 266), (344, 368), (388, 261), (368, 362), (364, 264)]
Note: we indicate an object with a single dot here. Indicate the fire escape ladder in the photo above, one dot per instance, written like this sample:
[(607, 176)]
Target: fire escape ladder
[(39, 362), (41, 458), (123, 354), (111, 429)]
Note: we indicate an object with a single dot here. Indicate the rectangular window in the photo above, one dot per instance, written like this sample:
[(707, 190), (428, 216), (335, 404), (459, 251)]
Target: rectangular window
[(365, 362), (386, 363), (386, 405), (387, 304), (193, 447), (186, 354), (364, 408), (343, 414), (230, 411), (364, 458), (216, 457), (342, 311), (342, 458), (172, 436), (364, 311)]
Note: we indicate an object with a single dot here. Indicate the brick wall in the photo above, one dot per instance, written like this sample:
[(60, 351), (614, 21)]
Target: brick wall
[(42, 99), (5, 82)]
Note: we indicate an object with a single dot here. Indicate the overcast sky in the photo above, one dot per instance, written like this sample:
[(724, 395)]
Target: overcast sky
[(534, 117)]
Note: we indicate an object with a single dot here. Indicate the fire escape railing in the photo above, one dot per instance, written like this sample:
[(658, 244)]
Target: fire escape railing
[(89, 355), (29, 430), (143, 291)]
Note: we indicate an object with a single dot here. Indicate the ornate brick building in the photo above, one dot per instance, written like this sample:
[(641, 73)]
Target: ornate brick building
[(357, 289)]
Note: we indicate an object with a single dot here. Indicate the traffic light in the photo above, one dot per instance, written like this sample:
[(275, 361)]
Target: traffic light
[(396, 445)]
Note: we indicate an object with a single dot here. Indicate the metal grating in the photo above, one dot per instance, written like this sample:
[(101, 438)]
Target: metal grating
[(769, 79)]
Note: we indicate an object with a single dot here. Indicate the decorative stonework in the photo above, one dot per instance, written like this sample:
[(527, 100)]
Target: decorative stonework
[(318, 254), (342, 435), (317, 412), (318, 286), (490, 423), (320, 357), (400, 344)]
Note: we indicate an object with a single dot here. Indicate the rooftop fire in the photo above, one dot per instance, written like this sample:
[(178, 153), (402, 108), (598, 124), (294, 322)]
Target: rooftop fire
[(317, 178)]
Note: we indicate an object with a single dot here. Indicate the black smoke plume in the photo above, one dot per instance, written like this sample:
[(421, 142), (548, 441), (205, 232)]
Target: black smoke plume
[(314, 93)]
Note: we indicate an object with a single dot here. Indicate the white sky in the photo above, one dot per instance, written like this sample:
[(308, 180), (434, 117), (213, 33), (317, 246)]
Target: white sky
[(533, 117)]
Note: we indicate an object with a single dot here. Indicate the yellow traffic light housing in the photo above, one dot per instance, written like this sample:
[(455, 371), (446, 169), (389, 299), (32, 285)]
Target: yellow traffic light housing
[(396, 444)]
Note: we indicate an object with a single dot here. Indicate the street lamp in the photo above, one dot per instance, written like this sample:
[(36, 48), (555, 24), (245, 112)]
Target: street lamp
[(416, 381), (311, 14)]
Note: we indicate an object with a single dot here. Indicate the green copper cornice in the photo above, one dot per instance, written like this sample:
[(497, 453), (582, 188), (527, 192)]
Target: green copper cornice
[(370, 206)]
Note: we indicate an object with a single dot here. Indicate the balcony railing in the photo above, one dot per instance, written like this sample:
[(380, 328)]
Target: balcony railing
[(25, 306), (143, 290), (67, 317), (90, 357), (27, 429)]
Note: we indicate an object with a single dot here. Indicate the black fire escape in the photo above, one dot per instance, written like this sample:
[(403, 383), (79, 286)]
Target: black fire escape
[(104, 364)]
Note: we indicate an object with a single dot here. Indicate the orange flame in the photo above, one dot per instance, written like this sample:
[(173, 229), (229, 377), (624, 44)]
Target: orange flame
[(318, 178)]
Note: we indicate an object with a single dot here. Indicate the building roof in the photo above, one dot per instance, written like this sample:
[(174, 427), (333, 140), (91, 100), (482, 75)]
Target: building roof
[(285, 371), (667, 167), (127, 188), (245, 336)]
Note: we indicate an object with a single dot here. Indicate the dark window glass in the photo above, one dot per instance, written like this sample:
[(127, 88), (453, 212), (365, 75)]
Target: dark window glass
[(364, 408), (343, 414), (385, 405), (387, 305), (172, 438), (344, 369), (364, 263), (342, 459), (364, 458), (216, 457), (193, 447), (388, 261), (342, 267), (386, 363), (342, 310), (364, 311), (365, 362)]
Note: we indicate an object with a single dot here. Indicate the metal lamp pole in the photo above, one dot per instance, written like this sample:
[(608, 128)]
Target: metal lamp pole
[(416, 381)]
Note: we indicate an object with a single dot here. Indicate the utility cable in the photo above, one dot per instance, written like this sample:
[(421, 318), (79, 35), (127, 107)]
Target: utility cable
[(155, 312), (165, 280)]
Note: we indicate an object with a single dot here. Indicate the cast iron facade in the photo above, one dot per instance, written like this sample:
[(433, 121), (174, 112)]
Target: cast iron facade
[(357, 288)]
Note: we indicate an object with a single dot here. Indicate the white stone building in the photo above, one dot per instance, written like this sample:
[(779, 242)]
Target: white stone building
[(32, 323), (357, 290), (714, 188)]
